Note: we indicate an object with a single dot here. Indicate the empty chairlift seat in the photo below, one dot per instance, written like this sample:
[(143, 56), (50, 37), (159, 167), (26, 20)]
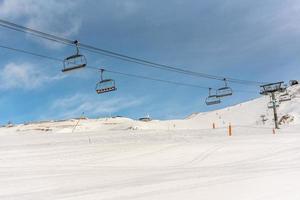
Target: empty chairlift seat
[(224, 91), (105, 85), (212, 99), (73, 62), (285, 97)]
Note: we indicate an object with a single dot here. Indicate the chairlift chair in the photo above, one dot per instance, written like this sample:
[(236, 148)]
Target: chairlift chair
[(285, 97), (105, 85), (283, 88), (76, 61), (212, 99), (224, 91)]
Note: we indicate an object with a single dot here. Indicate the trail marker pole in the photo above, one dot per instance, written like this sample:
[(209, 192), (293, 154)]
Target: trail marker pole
[(77, 122), (214, 125), (229, 130)]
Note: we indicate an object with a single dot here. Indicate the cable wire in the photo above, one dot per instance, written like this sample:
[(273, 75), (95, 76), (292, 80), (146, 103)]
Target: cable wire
[(30, 53), (114, 72), (149, 78), (123, 57)]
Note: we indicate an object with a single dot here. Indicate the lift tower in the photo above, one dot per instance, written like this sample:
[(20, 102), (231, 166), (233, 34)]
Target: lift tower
[(271, 89)]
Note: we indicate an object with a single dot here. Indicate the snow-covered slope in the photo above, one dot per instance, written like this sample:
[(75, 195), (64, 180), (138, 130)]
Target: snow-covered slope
[(244, 114), (249, 113), (124, 159)]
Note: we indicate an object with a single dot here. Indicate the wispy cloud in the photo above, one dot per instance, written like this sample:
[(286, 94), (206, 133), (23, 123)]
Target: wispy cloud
[(128, 7), (73, 106), (24, 76), (54, 16)]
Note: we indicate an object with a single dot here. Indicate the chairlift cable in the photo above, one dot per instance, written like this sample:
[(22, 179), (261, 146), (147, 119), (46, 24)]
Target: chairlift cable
[(31, 53), (114, 72), (97, 68), (149, 78), (101, 51)]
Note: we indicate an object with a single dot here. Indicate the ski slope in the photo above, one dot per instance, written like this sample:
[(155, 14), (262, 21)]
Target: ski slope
[(122, 159)]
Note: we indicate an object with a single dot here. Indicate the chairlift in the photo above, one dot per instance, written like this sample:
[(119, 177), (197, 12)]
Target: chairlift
[(76, 61), (212, 99), (105, 85), (285, 97), (224, 91), (283, 88)]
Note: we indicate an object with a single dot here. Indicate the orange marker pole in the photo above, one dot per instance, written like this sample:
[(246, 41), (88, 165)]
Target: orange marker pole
[(230, 130)]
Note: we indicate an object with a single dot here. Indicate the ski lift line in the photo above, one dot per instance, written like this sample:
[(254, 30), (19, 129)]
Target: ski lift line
[(107, 53), (34, 32), (172, 69), (114, 56), (115, 72), (36, 35), (31, 53), (161, 80), (149, 78), (144, 62), (167, 67), (86, 47), (96, 68)]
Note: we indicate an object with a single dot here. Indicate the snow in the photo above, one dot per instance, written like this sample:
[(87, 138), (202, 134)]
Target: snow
[(120, 158)]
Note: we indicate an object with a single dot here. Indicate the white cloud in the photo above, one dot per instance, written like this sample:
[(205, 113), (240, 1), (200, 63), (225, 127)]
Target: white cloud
[(128, 7), (54, 16), (24, 76), (73, 106)]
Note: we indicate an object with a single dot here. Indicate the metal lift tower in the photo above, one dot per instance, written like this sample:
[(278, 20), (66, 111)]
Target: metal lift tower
[(271, 89)]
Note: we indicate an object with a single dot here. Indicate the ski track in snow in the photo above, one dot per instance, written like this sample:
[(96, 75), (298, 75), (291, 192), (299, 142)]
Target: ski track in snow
[(143, 169)]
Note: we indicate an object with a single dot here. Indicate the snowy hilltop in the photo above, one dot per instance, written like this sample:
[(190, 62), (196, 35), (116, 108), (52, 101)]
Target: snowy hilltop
[(256, 113)]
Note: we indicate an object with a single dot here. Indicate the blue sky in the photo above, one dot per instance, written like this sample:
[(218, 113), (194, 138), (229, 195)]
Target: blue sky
[(253, 40)]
